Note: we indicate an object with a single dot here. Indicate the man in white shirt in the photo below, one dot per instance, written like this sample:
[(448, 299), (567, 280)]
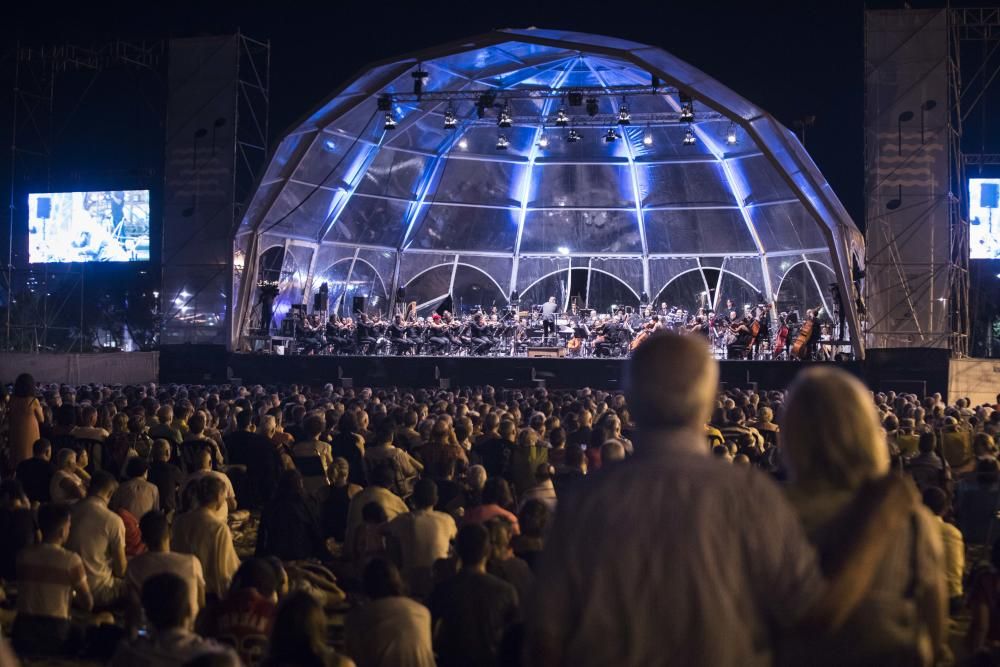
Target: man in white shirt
[(203, 460), (423, 536), (378, 492), (171, 642), (159, 559), (98, 535), (137, 495), (201, 533), (89, 430)]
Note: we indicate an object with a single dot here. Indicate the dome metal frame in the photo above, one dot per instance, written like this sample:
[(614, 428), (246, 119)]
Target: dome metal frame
[(341, 187)]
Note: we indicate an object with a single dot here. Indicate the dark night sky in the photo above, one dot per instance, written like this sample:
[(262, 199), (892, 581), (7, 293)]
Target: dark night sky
[(792, 59)]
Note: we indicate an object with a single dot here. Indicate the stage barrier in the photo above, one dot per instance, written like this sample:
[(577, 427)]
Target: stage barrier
[(976, 379), (111, 368)]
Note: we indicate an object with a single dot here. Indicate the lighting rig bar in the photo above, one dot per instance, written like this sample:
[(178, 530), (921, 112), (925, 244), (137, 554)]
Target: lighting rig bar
[(574, 96)]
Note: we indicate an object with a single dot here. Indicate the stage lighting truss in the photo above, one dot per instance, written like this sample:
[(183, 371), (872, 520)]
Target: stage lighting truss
[(488, 110)]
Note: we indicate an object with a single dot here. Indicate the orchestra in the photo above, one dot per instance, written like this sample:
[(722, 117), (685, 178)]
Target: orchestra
[(750, 333)]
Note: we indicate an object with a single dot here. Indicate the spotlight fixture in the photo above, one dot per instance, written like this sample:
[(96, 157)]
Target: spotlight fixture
[(624, 117), (562, 118), (390, 122), (463, 143), (689, 138), (502, 142), (573, 136), (731, 134), (543, 139), (450, 120), (592, 106), (611, 136), (647, 136), (687, 113), (503, 119)]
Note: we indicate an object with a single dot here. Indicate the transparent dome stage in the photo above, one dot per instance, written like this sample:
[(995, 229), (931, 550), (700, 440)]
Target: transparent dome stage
[(544, 163)]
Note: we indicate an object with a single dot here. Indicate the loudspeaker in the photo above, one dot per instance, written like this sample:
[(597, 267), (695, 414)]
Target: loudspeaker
[(321, 301), (989, 196), (44, 208), (358, 304), (400, 293)]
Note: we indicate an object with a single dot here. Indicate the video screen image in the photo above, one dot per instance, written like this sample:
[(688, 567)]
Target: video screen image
[(110, 226), (984, 218)]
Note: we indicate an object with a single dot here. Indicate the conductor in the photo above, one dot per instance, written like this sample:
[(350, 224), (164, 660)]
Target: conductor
[(549, 309)]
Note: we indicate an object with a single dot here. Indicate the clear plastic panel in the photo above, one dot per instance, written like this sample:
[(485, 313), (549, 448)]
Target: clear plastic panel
[(627, 270), (786, 227), (394, 174), (370, 221), (581, 231), (531, 269), (366, 282), (363, 121), (712, 262), (301, 258), (697, 231), (478, 182), (482, 140), (498, 268), (200, 316), (300, 210), (733, 287), (664, 269), (606, 290), (748, 268), (667, 144), (800, 291), (590, 148), (688, 184), (430, 286), (761, 181), (324, 157), (686, 291), (555, 284), (426, 134), (286, 156), (259, 204), (384, 263), (474, 290), (465, 228), (412, 264), (581, 185)]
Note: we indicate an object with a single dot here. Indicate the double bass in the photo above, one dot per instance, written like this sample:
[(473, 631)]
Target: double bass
[(781, 340), (800, 348)]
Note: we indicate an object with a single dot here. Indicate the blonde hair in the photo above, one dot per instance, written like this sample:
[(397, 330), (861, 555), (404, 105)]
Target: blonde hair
[(831, 431)]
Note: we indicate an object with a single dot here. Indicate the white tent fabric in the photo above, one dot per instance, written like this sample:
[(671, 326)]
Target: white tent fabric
[(441, 211)]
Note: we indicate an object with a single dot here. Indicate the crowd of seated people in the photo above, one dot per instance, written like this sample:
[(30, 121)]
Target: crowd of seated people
[(183, 524)]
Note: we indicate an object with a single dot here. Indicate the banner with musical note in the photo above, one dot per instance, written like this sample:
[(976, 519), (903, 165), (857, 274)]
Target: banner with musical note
[(908, 157), (199, 199)]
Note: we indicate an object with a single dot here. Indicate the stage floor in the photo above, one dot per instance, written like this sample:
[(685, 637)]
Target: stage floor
[(421, 371)]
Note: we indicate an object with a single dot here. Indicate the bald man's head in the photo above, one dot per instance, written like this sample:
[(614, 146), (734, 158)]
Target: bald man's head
[(671, 382)]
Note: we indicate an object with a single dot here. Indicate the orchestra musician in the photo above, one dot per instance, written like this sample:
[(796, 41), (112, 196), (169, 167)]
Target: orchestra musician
[(398, 338), (549, 310), (438, 338), (479, 334)]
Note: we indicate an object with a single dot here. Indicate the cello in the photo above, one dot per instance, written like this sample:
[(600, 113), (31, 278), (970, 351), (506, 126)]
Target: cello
[(800, 348), (781, 340)]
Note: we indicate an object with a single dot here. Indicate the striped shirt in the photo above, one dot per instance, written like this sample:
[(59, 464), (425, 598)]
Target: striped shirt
[(47, 574)]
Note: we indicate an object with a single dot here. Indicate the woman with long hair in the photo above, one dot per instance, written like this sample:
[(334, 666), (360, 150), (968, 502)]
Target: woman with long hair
[(834, 447), (298, 636), (25, 418)]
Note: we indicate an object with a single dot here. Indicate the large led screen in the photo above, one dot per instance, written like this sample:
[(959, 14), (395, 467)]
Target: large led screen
[(984, 218), (110, 226)]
